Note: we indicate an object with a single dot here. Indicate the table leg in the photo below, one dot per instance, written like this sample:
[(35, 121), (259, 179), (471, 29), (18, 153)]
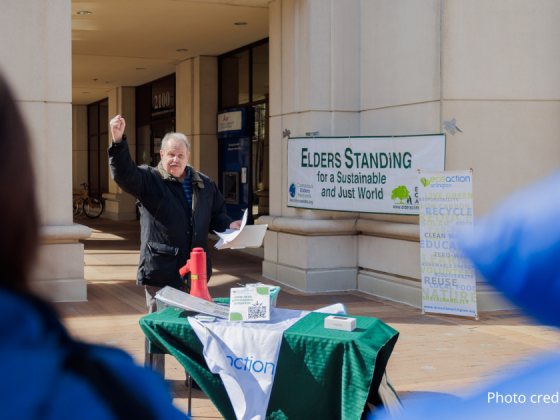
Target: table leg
[(151, 360), (190, 389)]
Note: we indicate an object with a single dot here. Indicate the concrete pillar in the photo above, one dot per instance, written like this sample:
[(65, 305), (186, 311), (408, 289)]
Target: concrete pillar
[(402, 48), (431, 65), (36, 60), (314, 86), (197, 108), (118, 204), (397, 68), (504, 90)]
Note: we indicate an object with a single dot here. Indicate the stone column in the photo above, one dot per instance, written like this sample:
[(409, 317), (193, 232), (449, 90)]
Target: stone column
[(401, 47), (431, 65), (314, 86), (504, 93), (118, 204), (197, 108), (35, 57), (402, 68)]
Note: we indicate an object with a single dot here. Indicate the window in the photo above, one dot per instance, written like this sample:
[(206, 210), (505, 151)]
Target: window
[(260, 73), (243, 76), (243, 82), (98, 142)]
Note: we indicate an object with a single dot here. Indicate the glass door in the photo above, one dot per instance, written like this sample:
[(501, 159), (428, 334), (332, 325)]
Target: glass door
[(143, 144), (98, 141)]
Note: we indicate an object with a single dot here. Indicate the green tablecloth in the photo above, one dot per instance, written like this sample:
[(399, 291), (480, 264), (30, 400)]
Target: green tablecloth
[(321, 373)]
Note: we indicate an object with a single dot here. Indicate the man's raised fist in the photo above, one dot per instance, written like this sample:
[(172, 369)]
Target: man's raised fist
[(117, 125)]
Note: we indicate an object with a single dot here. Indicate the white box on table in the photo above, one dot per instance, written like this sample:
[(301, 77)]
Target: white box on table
[(342, 323)]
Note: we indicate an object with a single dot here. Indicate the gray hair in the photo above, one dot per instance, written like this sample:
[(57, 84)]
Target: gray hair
[(175, 136)]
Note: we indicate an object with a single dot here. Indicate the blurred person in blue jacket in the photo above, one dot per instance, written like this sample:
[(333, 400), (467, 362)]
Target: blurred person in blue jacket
[(45, 373), (517, 249)]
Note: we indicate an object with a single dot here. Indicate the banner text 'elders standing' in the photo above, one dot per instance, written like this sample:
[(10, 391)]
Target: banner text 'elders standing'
[(361, 174)]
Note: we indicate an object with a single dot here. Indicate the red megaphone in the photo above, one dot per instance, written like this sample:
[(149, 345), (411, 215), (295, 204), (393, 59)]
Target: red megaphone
[(197, 266)]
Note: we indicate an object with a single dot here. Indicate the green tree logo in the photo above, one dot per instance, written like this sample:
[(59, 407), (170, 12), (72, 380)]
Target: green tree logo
[(401, 193), (424, 182)]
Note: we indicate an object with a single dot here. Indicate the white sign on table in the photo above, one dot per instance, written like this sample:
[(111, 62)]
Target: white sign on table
[(249, 304), (361, 174), (446, 208)]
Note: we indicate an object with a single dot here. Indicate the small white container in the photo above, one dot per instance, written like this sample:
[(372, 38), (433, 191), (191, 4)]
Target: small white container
[(274, 291), (342, 323)]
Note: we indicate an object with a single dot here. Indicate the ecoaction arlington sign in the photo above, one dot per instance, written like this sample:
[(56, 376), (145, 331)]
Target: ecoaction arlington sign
[(361, 174)]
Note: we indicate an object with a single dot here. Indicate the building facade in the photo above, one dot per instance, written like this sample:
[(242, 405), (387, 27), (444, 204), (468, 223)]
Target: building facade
[(337, 67), (382, 68)]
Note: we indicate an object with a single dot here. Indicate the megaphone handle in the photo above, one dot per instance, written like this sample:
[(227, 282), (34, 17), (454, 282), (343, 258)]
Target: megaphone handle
[(184, 270)]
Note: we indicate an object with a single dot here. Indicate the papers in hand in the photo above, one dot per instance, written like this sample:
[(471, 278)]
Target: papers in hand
[(178, 299), (245, 237)]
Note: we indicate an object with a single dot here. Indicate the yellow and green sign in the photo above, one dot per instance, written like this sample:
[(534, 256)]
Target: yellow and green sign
[(446, 210)]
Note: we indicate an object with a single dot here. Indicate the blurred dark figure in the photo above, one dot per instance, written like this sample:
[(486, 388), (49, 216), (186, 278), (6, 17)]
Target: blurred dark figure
[(517, 249), (45, 373)]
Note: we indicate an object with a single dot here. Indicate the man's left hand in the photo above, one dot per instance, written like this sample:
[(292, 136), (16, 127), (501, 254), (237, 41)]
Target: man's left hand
[(235, 225)]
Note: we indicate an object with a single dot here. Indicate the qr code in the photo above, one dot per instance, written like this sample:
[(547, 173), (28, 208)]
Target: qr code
[(257, 311)]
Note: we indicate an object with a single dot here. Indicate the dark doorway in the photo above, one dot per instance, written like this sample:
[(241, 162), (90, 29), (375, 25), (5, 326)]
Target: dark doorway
[(243, 76), (158, 133), (155, 117), (98, 142)]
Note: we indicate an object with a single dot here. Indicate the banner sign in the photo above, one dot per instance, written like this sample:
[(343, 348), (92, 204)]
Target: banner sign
[(446, 207), (361, 174)]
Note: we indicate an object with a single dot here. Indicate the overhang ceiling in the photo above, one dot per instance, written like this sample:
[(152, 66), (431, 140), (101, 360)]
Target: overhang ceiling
[(121, 36)]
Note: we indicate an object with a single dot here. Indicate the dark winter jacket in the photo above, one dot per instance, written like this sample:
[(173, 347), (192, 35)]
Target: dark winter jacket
[(170, 229)]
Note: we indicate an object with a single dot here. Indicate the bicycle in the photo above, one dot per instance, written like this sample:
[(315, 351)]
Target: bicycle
[(92, 207)]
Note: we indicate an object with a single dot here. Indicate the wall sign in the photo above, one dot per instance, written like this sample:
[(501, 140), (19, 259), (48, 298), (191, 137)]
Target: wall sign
[(446, 207), (230, 121), (361, 174), (163, 98)]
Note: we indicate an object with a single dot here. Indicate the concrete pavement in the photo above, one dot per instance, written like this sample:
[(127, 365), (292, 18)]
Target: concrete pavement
[(434, 353)]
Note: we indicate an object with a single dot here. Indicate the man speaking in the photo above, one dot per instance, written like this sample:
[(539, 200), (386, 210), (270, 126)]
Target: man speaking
[(178, 207)]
